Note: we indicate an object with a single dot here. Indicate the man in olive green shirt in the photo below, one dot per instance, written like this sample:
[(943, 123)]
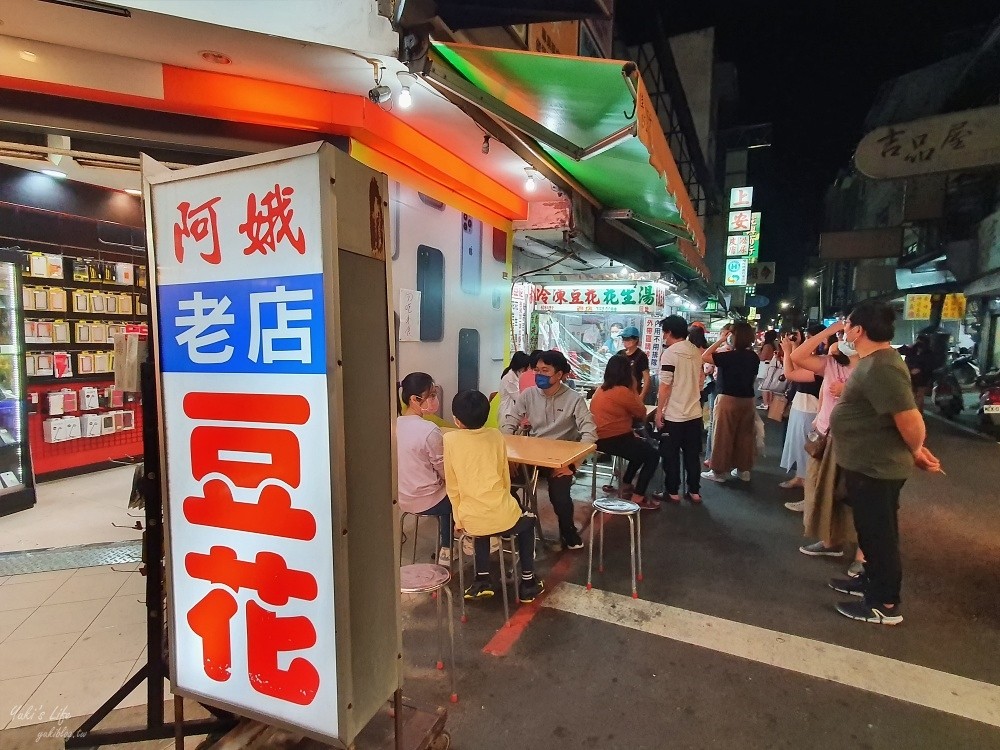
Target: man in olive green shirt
[(879, 436)]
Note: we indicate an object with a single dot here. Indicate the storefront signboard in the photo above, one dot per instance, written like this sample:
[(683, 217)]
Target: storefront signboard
[(918, 307), (739, 221), (741, 197), (736, 272), (738, 245), (652, 341), (601, 297), (761, 273), (246, 304)]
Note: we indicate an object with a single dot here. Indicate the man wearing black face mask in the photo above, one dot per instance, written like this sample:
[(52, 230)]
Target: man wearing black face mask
[(553, 410)]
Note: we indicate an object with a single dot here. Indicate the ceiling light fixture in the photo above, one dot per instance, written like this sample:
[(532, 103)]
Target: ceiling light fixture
[(27, 56), (97, 7), (217, 58), (54, 173), (406, 80), (530, 182), (133, 191)]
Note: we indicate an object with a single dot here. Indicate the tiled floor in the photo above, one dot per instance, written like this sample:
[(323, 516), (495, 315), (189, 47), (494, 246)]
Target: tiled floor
[(68, 640), (78, 510)]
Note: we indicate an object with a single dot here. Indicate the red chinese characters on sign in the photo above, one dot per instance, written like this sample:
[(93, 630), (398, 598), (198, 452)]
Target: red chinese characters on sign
[(259, 453), (266, 229), (560, 297), (590, 297), (200, 224)]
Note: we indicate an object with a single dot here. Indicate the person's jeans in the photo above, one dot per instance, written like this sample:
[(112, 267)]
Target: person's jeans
[(562, 503), (875, 503), (524, 533), (678, 438), (442, 511), (641, 457), (711, 424)]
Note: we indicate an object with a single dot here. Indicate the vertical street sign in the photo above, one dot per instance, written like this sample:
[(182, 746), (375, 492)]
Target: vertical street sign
[(247, 316)]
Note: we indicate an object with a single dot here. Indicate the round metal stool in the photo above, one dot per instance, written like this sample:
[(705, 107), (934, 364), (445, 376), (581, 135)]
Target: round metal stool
[(426, 578), (612, 506)]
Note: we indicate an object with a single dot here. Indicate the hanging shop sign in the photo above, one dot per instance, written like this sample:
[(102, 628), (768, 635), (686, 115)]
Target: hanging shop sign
[(943, 143), (741, 197), (736, 272), (595, 298), (248, 301), (652, 341), (918, 307), (760, 273), (739, 221), (738, 244)]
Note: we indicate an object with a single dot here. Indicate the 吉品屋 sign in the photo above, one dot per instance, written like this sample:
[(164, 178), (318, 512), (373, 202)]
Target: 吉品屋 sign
[(739, 221), (246, 301), (760, 273), (741, 197), (736, 272), (738, 244), (943, 143), (595, 298), (918, 307)]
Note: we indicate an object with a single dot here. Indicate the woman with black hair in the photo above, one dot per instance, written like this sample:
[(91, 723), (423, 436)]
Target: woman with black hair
[(420, 458), (509, 382), (615, 406)]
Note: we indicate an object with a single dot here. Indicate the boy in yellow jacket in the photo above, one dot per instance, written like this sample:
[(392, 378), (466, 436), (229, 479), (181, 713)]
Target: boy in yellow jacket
[(478, 482)]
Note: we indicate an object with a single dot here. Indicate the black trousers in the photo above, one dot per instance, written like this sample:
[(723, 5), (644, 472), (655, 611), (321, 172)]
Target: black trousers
[(641, 457), (682, 438), (524, 532), (562, 503), (875, 503)]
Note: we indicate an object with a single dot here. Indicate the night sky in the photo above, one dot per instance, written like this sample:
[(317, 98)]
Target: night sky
[(812, 69)]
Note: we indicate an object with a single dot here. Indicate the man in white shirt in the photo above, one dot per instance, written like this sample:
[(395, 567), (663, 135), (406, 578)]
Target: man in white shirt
[(678, 409)]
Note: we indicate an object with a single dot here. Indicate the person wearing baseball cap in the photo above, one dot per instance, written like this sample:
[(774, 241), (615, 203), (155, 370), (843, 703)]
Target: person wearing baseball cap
[(638, 359)]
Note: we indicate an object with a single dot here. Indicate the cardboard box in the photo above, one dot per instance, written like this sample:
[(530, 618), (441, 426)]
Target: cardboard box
[(107, 424), (88, 399), (55, 430), (90, 425), (72, 425)]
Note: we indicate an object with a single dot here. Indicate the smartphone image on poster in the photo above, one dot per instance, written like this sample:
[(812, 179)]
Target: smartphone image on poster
[(430, 284), (472, 254), (468, 359)]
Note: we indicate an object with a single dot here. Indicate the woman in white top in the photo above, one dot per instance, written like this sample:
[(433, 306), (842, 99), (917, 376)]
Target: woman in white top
[(510, 383), (420, 458)]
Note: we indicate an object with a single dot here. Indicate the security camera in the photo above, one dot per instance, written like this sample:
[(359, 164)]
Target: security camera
[(380, 94)]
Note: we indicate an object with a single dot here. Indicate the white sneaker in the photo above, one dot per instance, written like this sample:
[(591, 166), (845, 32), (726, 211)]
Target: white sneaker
[(798, 507), (444, 557), (743, 476), (762, 407), (713, 477)]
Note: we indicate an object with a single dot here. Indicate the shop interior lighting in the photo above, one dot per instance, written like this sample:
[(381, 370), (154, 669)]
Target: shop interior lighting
[(133, 191), (54, 173), (27, 56), (531, 179), (217, 58), (406, 80)]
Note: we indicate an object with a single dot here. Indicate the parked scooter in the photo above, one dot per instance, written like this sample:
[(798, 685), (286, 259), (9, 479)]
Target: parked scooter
[(963, 366), (947, 393), (989, 402)]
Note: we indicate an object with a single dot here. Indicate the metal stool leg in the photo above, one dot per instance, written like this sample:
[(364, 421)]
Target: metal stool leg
[(638, 540), (440, 661), (416, 536), (451, 637), (600, 563), (503, 586), (461, 574), (590, 552), (593, 479), (631, 544)]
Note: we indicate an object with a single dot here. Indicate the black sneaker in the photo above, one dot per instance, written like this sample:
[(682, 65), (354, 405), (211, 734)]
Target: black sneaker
[(572, 541), (880, 615), (852, 586), (480, 590), (528, 591)]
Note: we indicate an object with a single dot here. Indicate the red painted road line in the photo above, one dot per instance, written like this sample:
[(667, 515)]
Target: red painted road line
[(505, 638)]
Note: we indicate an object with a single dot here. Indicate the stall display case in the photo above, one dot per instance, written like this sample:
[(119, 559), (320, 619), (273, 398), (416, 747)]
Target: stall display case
[(73, 308), (17, 482)]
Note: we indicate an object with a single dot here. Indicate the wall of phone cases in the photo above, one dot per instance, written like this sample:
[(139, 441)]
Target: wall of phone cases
[(72, 309)]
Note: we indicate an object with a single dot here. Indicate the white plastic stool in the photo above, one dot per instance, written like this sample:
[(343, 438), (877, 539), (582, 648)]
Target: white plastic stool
[(614, 507), (427, 578)]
